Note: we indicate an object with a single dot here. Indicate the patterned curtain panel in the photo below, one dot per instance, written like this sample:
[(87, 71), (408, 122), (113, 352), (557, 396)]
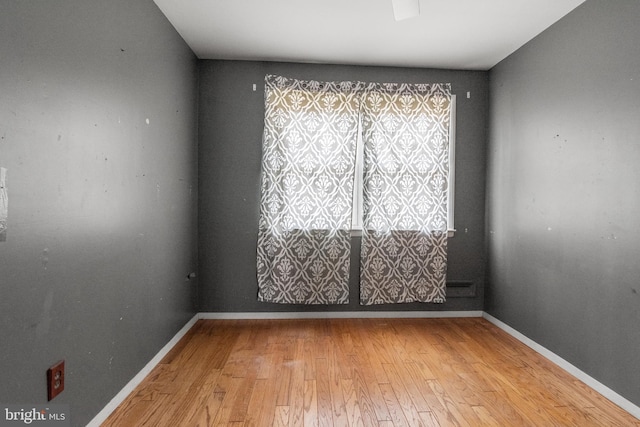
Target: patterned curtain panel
[(308, 163), (406, 160)]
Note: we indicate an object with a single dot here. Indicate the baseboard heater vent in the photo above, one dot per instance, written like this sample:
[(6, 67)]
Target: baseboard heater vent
[(461, 289)]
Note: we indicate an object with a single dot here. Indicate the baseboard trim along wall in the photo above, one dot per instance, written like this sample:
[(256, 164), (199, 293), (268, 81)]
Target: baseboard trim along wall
[(571, 369), (591, 382), (343, 315), (135, 381)]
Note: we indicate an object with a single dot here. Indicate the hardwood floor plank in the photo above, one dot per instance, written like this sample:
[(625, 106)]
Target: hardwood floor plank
[(485, 417), (296, 398), (323, 390), (517, 395), (230, 396), (376, 355), (268, 365), (266, 413), (503, 409), (606, 411), (364, 398), (427, 419), (281, 416), (395, 409), (453, 415), (450, 388), (352, 408), (154, 415), (341, 350), (255, 417), (335, 389), (130, 413), (435, 406), (602, 418), (193, 399), (369, 386), (308, 359), (310, 412), (240, 406), (206, 414), (360, 372), (282, 378), (404, 397)]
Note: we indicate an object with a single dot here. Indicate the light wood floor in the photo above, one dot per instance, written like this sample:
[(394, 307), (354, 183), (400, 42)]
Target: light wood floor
[(360, 372)]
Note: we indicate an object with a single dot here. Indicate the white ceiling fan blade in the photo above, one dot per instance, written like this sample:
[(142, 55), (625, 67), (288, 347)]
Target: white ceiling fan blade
[(405, 9)]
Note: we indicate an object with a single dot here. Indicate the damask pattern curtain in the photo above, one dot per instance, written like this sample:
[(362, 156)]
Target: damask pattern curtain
[(308, 163), (405, 129)]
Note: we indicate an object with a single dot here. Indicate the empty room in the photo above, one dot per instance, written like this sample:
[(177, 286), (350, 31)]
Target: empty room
[(320, 213)]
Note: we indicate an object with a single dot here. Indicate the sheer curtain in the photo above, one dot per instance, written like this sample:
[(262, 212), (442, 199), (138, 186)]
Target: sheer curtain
[(308, 162), (405, 129)]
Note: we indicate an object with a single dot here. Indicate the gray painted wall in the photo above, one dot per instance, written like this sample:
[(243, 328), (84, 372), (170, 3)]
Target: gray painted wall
[(231, 117), (564, 194), (102, 202)]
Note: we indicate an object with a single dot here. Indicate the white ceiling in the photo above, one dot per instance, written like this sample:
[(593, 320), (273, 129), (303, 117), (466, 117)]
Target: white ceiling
[(455, 34)]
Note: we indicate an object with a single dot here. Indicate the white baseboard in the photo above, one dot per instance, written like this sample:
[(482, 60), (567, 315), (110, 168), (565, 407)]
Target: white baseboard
[(571, 369), (342, 315), (135, 381)]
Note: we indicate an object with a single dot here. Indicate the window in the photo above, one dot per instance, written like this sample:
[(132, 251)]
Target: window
[(395, 141), (357, 213)]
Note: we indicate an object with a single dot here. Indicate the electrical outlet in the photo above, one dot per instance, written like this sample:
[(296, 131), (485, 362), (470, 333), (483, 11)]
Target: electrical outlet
[(55, 380)]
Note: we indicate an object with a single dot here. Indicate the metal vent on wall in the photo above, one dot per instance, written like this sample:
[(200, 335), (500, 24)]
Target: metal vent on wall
[(461, 289)]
